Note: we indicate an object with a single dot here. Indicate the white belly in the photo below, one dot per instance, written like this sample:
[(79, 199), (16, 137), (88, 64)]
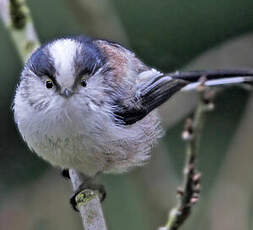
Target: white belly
[(88, 142), (71, 152)]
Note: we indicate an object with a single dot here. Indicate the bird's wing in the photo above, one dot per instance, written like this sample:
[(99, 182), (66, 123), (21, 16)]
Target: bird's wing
[(150, 93)]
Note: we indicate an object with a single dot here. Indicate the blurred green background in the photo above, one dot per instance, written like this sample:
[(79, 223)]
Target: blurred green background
[(169, 35)]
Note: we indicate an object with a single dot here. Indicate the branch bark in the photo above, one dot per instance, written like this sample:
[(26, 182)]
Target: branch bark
[(88, 204), (16, 17), (189, 194)]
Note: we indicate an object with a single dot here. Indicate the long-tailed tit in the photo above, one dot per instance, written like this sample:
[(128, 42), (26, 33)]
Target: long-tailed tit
[(91, 105)]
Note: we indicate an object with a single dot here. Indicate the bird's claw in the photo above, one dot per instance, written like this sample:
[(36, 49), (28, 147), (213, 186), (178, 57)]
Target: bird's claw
[(85, 193), (65, 173)]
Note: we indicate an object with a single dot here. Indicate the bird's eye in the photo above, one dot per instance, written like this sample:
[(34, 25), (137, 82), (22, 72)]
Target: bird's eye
[(83, 83), (49, 84)]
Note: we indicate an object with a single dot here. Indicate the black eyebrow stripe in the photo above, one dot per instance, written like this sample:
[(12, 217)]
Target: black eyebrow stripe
[(89, 58), (84, 71), (51, 77), (41, 63), (43, 72)]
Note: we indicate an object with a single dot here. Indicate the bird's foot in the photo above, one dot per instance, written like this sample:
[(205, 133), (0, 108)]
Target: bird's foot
[(85, 192), (65, 173)]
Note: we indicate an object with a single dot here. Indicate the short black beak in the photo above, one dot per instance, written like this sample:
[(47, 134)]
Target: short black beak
[(67, 93)]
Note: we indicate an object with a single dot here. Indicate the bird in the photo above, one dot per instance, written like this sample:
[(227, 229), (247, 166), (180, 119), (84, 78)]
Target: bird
[(91, 104)]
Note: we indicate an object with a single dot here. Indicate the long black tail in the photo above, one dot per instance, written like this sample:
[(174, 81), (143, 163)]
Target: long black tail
[(194, 76), (214, 77), (159, 88)]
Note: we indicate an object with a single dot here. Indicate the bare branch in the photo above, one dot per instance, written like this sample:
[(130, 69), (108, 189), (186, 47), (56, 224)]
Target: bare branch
[(188, 195)]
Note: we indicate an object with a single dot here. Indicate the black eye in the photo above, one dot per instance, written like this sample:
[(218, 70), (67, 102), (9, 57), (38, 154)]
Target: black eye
[(83, 83), (49, 84)]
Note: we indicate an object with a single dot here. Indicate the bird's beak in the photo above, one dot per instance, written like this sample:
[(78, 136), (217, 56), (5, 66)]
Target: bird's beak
[(66, 93)]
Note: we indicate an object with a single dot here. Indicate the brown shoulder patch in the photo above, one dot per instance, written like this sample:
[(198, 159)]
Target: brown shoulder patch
[(117, 58), (120, 59)]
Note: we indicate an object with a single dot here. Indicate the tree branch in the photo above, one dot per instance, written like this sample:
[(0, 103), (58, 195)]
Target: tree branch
[(89, 205), (16, 17), (189, 194)]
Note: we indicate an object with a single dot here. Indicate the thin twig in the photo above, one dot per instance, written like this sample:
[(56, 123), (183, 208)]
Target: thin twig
[(188, 195), (17, 19)]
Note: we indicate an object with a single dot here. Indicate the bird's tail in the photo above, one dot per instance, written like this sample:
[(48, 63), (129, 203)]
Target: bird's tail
[(213, 78), (155, 88)]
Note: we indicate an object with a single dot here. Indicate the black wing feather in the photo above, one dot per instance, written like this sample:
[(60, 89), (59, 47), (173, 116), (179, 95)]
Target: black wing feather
[(148, 97)]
